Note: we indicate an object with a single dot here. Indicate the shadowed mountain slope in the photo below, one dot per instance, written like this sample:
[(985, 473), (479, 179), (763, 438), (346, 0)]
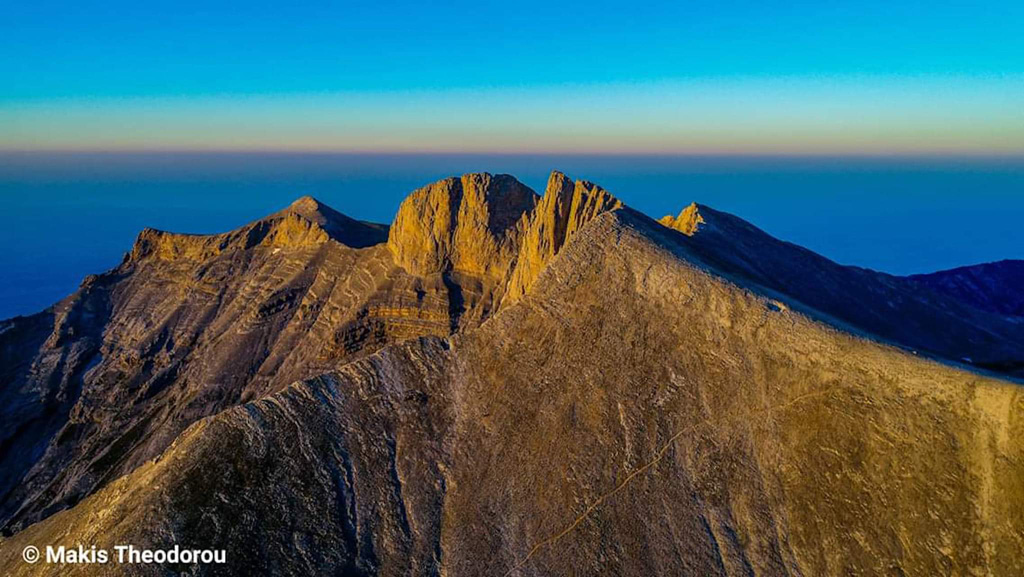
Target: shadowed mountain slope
[(636, 412), (996, 287), (900, 310)]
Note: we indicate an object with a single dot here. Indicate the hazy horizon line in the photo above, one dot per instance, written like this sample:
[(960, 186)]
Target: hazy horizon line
[(738, 154)]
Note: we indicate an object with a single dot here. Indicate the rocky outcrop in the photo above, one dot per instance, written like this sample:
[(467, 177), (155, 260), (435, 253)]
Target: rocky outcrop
[(564, 209), (492, 228), (688, 222), (469, 225)]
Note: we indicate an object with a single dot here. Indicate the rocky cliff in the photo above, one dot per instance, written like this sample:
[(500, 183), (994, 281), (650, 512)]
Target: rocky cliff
[(564, 209), (470, 224), (509, 385), (687, 222)]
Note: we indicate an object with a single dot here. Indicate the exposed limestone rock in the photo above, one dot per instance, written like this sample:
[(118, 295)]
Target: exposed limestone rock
[(172, 246), (189, 325), (308, 214), (470, 225), (633, 414), (305, 224), (563, 210), (688, 222), (510, 386)]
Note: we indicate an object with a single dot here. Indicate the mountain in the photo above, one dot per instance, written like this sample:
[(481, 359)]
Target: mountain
[(912, 313), (512, 385), (189, 325), (564, 209), (996, 287), (688, 221)]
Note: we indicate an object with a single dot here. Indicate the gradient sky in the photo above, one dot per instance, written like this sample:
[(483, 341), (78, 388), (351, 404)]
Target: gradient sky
[(869, 77)]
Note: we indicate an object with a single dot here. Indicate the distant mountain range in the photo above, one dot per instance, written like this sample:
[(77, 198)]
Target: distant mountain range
[(501, 383)]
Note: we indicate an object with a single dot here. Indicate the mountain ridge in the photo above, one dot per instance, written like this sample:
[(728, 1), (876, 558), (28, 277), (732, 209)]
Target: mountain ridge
[(992, 287), (189, 328), (305, 222), (684, 425), (899, 310)]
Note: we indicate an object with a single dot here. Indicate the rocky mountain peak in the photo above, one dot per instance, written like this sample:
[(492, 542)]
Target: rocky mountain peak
[(307, 220), (470, 224), (564, 209), (305, 205), (658, 403), (688, 222), (305, 223)]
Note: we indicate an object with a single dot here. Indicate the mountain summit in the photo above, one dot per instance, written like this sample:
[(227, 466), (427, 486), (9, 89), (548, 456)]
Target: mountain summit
[(506, 384), (306, 223), (470, 224), (688, 222), (565, 207), (336, 225)]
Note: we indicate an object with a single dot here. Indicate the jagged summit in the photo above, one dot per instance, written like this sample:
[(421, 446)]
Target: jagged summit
[(470, 224), (492, 227), (688, 222), (565, 207)]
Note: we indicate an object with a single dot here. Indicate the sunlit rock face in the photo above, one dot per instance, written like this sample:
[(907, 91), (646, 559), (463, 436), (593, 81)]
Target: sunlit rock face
[(565, 207), (471, 225), (687, 222), (501, 384), (189, 325)]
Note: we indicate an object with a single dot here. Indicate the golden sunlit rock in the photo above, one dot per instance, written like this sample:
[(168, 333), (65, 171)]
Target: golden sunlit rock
[(501, 384), (565, 207), (688, 222), (470, 224)]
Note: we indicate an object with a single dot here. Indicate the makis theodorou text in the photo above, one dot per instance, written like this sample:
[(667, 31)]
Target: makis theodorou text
[(129, 554)]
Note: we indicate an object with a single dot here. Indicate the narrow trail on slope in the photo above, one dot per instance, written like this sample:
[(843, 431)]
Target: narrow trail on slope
[(658, 457)]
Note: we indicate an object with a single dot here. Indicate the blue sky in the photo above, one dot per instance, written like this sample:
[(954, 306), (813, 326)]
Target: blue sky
[(717, 77)]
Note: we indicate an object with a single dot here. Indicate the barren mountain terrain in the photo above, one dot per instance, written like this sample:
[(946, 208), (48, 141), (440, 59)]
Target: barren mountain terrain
[(502, 383)]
